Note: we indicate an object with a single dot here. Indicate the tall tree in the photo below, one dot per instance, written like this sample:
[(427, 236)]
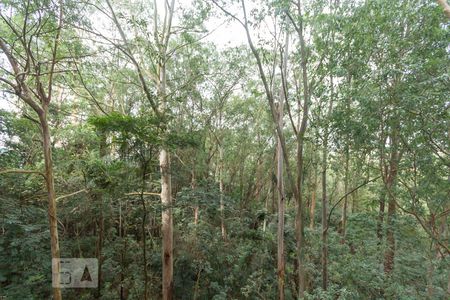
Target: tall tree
[(33, 82)]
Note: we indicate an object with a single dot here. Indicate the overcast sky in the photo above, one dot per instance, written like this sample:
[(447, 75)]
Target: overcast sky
[(222, 33)]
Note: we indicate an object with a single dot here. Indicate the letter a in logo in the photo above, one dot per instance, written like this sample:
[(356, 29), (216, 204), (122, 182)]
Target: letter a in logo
[(86, 275)]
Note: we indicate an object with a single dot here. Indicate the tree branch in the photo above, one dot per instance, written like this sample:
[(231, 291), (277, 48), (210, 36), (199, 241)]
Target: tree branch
[(54, 51), (20, 171), (142, 193), (23, 91), (343, 197), (71, 194)]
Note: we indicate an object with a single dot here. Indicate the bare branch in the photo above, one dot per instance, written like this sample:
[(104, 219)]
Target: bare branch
[(54, 51), (142, 193), (20, 171), (145, 87), (343, 197), (71, 194), (23, 92), (228, 13)]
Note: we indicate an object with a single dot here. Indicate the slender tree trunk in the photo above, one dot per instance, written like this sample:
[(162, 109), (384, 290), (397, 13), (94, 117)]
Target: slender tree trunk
[(266, 208), (193, 185), (380, 220), (280, 189), (166, 198), (167, 224), (347, 162), (390, 239), (344, 207), (196, 214), (313, 201), (324, 215), (299, 226), (100, 249), (122, 233), (99, 196), (143, 228), (430, 271), (164, 156), (273, 182), (324, 192), (280, 231), (23, 91), (49, 181), (222, 219)]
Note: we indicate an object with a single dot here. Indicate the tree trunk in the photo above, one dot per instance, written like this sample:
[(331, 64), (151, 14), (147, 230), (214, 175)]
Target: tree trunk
[(390, 181), (166, 197), (99, 197), (280, 189), (193, 185), (162, 40), (299, 226), (166, 201), (49, 181), (143, 228), (344, 207), (313, 201), (324, 215), (222, 221), (280, 231), (381, 217), (324, 192), (167, 224)]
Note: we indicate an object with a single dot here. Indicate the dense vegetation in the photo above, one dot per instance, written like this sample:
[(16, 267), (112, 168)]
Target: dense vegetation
[(311, 162)]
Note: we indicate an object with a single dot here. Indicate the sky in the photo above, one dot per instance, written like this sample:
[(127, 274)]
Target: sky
[(221, 32)]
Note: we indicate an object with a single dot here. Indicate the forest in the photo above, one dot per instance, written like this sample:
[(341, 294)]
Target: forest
[(225, 149)]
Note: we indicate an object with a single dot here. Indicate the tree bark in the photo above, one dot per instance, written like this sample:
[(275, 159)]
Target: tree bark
[(101, 225), (380, 220), (344, 207), (167, 224), (164, 156), (281, 204), (49, 182), (324, 214), (390, 181), (313, 201), (280, 230), (143, 229), (303, 123), (324, 192), (222, 218)]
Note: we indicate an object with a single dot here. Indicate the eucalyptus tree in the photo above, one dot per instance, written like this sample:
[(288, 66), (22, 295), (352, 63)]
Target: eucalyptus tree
[(388, 67), (267, 78), (146, 41), (31, 34)]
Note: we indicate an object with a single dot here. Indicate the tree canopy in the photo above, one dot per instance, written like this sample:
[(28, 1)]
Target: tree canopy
[(310, 161)]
